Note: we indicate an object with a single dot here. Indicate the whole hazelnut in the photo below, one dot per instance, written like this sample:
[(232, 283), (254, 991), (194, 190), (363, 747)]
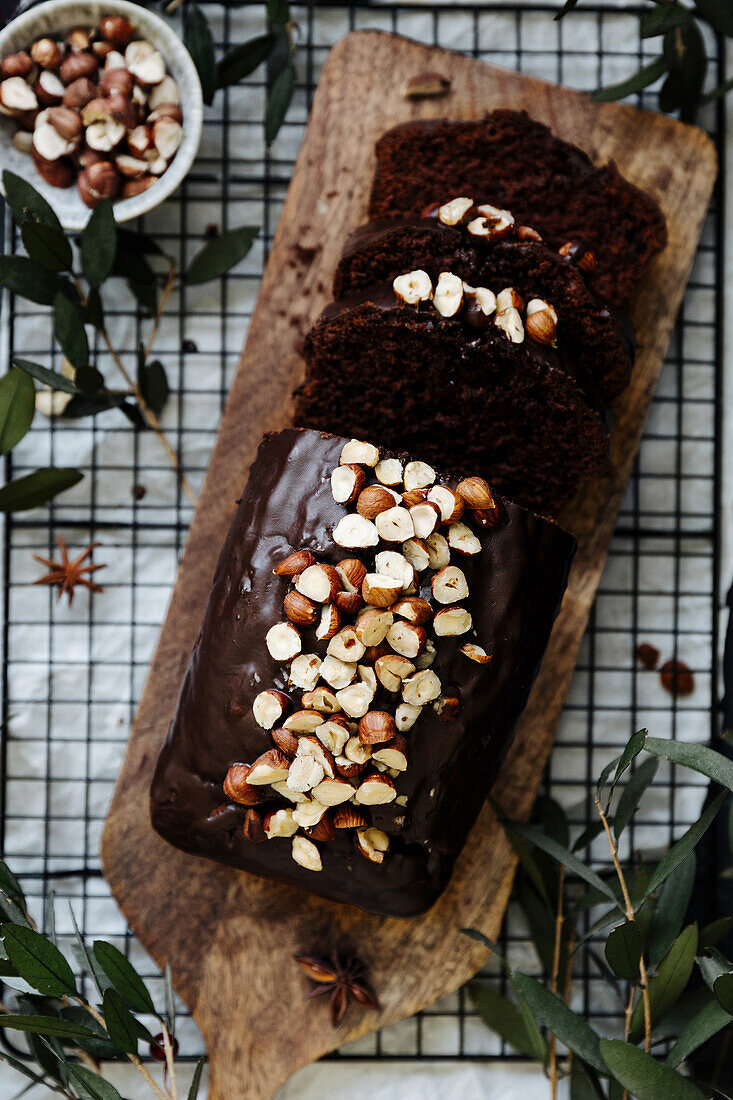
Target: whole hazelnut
[(79, 93), (98, 181), (102, 49), (66, 122), (76, 65), (89, 156), (116, 29), (123, 110), (116, 80), (46, 53), (78, 39), (59, 173), (17, 64), (130, 188)]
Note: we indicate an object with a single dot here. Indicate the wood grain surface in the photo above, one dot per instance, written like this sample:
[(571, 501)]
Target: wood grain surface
[(230, 937)]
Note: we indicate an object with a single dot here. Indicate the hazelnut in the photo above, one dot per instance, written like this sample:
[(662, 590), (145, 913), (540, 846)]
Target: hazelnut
[(448, 297), (269, 707), (422, 688), (372, 500), (77, 65), (116, 29), (376, 790), (89, 156), (123, 110), (78, 39), (145, 63), (17, 95), (454, 212), (46, 53), (462, 539), (16, 64), (348, 817), (329, 623), (139, 141), (166, 110), (130, 167), (116, 80), (58, 173), (49, 143), (395, 525), (98, 181), (379, 590), (237, 788), (476, 493), (282, 640), (389, 471), (366, 454), (164, 93), (79, 92), (448, 502), (294, 564), (510, 322), (306, 854), (298, 608), (413, 287), (104, 136), (133, 187), (476, 653), (393, 754), (102, 50), (65, 122), (285, 740), (319, 583), (252, 827), (450, 622), (376, 727), (541, 322), (509, 298), (271, 767), (49, 89), (23, 141), (352, 573), (526, 233), (347, 481), (354, 532), (418, 475)]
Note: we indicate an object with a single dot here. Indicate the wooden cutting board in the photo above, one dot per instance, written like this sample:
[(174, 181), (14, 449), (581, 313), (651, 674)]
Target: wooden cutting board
[(230, 937)]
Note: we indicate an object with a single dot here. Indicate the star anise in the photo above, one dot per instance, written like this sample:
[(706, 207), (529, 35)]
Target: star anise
[(66, 574), (344, 979)]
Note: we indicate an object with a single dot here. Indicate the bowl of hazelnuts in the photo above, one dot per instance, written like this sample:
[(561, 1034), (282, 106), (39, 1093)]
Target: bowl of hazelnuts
[(98, 99)]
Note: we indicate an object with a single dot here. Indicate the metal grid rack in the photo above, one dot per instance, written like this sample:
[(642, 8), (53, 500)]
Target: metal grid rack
[(71, 677)]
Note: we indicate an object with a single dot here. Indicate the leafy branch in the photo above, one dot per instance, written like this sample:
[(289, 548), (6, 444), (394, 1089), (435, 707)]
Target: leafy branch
[(673, 983), (683, 62), (70, 276), (69, 1035)]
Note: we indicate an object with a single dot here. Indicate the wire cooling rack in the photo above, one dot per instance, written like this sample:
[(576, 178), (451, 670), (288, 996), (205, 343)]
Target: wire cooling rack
[(71, 677)]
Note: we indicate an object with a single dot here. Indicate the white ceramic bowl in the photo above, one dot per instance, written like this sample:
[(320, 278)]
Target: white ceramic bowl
[(54, 18)]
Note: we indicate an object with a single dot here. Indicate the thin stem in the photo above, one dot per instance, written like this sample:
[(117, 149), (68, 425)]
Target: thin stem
[(168, 1047), (148, 415), (630, 915), (164, 296), (132, 1057), (559, 920)]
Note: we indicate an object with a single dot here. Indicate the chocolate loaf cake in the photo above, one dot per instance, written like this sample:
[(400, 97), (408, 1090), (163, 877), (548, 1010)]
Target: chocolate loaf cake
[(453, 237), (370, 640), (471, 377), (515, 162)]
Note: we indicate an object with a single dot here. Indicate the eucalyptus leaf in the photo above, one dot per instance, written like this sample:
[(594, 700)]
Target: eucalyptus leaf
[(38, 961), (27, 204), (564, 856), (200, 45), (10, 884), (663, 18), (698, 758), (87, 960), (88, 380), (723, 990), (153, 383), (646, 76), (69, 329), (123, 977), (25, 277), (170, 1001), (94, 312), (718, 13), (680, 851), (46, 1025), (17, 406), (632, 794), (552, 818), (589, 835), (12, 912), (220, 254), (670, 911), (708, 1022), (645, 1078), (529, 865), (582, 1085), (570, 1029), (48, 377), (98, 244), (278, 11), (89, 404), (50, 1056), (21, 1067), (624, 948), (712, 964), (121, 1026), (47, 246), (669, 982), (503, 1017), (90, 1085), (32, 490), (715, 932), (196, 1079), (540, 919), (278, 102), (478, 937), (243, 60), (686, 58)]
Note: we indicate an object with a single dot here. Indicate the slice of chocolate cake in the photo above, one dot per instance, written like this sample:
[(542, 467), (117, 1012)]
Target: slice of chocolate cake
[(514, 162), (467, 376), (371, 637), (494, 251)]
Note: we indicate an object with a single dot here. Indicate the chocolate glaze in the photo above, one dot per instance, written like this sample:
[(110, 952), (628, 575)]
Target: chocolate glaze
[(516, 583)]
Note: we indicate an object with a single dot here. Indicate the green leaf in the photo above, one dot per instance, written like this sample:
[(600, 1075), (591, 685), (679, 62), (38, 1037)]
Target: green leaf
[(707, 1022), (669, 914), (90, 1085), (278, 12), (680, 851), (278, 102), (719, 92), (85, 958), (624, 948), (632, 794), (9, 884), (712, 964), (723, 990), (37, 961), (123, 976), (589, 835), (645, 1078), (17, 406), (94, 313), (718, 14), (669, 982), (529, 865), (196, 1079), (662, 19), (46, 1025), (89, 404), (551, 817), (47, 246), (503, 1017), (50, 1056), (32, 490), (646, 76), (153, 383), (698, 758), (69, 329), (12, 912), (582, 1086), (243, 60), (45, 375), (569, 5), (540, 919), (220, 254), (563, 855), (170, 1003), (122, 1028), (22, 276), (715, 932), (570, 1029), (200, 45), (21, 1067), (26, 204), (89, 380), (686, 58), (98, 244)]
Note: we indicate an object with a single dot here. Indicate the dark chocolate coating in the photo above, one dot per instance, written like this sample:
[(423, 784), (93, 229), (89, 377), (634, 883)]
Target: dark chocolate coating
[(516, 585)]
